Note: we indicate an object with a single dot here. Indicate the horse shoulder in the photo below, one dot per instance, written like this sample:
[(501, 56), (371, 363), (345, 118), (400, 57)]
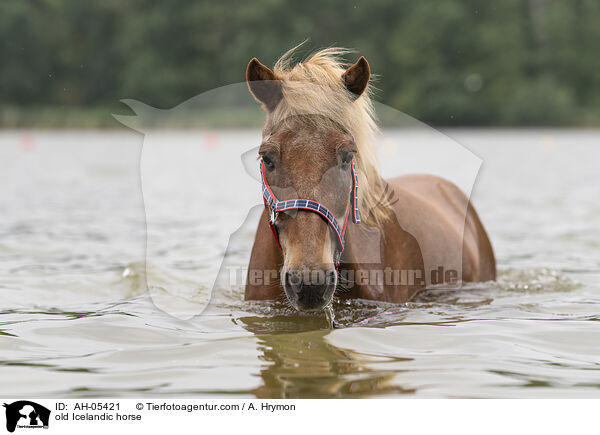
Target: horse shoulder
[(441, 215)]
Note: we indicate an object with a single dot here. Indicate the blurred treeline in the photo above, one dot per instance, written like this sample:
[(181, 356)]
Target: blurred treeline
[(445, 62)]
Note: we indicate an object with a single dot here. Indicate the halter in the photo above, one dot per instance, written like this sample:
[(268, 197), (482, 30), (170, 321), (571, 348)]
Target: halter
[(275, 207)]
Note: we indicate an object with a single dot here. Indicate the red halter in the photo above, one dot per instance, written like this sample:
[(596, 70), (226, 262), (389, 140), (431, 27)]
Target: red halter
[(275, 207)]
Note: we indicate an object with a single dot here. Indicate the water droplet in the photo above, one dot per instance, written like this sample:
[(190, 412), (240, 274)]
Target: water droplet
[(329, 314)]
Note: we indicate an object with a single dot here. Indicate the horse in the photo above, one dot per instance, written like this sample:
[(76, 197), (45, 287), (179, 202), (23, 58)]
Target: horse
[(332, 226)]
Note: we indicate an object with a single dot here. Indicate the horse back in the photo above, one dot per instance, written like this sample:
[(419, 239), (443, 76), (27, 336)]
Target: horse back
[(445, 224)]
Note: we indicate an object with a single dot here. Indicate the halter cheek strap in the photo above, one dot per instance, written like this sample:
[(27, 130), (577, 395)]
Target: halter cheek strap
[(275, 207)]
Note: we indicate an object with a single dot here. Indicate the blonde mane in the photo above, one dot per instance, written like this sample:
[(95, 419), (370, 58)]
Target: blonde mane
[(315, 87)]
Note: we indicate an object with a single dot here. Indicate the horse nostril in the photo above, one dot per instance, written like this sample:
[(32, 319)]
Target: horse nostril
[(293, 280)]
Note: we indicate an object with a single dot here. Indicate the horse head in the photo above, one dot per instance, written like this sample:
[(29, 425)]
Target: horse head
[(317, 113)]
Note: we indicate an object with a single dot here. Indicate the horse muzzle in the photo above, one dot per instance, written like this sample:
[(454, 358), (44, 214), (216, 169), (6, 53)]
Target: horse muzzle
[(309, 289)]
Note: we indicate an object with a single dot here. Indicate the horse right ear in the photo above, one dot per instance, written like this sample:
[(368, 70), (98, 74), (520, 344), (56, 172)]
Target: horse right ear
[(263, 84)]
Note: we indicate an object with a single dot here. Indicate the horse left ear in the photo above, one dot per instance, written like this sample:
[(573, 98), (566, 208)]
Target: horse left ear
[(357, 76)]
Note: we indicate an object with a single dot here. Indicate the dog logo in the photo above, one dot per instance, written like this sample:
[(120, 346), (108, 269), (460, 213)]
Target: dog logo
[(26, 414)]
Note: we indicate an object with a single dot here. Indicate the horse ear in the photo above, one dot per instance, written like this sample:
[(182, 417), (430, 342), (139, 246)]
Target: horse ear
[(263, 84), (357, 76)]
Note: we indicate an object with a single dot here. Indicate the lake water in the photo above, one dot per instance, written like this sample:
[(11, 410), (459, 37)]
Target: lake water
[(76, 319)]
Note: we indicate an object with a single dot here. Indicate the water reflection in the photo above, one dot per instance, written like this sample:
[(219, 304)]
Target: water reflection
[(306, 365)]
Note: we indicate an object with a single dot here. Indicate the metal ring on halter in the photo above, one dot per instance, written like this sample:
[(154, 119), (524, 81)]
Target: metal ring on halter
[(273, 216)]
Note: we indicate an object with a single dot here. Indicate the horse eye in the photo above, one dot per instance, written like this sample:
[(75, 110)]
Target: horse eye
[(268, 162), (347, 160)]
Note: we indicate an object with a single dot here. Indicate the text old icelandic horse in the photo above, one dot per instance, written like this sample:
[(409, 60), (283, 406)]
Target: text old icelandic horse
[(331, 224)]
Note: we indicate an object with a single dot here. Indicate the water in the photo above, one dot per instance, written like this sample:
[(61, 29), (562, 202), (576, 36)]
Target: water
[(76, 320)]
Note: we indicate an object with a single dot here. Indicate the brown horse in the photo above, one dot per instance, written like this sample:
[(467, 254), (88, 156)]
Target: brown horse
[(415, 231)]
